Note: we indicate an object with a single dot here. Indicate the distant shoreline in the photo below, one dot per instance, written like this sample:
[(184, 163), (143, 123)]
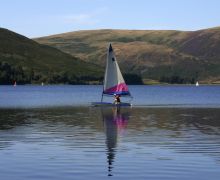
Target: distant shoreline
[(148, 84)]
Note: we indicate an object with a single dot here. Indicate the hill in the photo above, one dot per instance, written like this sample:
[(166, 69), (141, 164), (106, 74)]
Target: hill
[(166, 56), (26, 61)]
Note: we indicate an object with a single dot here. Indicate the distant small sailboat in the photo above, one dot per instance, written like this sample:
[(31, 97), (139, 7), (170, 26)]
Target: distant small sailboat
[(42, 84), (15, 84), (197, 83), (114, 83)]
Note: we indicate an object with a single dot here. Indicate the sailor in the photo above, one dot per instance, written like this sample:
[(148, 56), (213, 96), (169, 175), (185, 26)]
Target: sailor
[(117, 99)]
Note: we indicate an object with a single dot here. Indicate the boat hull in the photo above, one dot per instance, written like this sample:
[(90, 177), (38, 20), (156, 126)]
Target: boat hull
[(106, 104)]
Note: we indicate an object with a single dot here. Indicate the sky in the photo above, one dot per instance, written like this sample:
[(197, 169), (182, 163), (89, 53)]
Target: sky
[(36, 18)]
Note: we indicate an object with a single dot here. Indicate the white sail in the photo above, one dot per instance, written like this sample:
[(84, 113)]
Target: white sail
[(114, 82)]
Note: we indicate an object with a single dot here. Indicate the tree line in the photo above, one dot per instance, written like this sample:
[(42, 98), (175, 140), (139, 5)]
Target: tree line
[(11, 73), (16, 73), (175, 79)]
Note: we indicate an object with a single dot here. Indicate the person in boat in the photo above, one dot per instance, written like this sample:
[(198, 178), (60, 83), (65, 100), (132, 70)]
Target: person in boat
[(117, 99)]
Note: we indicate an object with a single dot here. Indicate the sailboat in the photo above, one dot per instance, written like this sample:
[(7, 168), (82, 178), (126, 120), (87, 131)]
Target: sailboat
[(197, 83), (114, 83)]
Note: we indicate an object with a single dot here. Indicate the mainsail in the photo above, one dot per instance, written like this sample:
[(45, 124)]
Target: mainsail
[(114, 82)]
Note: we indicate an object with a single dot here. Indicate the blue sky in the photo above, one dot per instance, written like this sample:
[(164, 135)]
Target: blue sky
[(35, 18)]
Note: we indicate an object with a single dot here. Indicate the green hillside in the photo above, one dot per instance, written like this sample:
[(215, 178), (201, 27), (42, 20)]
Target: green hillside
[(165, 56), (25, 61)]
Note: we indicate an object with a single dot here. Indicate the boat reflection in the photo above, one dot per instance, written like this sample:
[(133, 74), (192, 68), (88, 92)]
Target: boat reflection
[(115, 123)]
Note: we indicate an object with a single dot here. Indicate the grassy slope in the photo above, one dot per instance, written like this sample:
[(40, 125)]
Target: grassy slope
[(16, 49), (151, 53)]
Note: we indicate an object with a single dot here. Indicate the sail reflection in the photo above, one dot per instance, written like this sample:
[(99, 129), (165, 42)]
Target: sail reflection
[(115, 123)]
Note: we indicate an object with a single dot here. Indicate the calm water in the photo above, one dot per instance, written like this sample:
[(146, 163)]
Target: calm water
[(170, 133), (47, 96)]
